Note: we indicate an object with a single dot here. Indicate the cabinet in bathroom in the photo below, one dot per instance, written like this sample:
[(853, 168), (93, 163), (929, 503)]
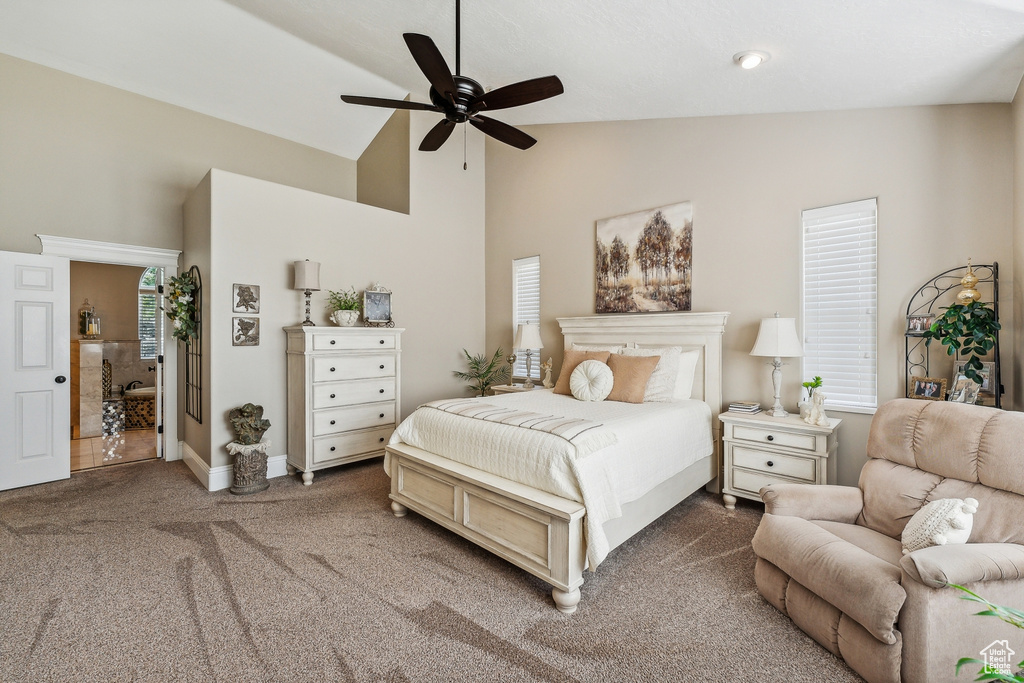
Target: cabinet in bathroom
[(344, 393)]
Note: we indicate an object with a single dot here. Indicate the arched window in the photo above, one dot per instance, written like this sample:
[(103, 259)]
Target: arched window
[(148, 312)]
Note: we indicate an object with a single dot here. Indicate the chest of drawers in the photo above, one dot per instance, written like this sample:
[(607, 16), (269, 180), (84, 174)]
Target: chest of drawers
[(344, 389), (761, 450)]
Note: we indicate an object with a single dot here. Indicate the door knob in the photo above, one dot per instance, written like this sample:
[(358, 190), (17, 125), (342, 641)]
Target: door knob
[(60, 379)]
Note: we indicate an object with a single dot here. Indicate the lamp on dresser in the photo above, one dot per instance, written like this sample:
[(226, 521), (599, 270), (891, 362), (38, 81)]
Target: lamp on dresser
[(307, 279), (777, 339), (527, 339)]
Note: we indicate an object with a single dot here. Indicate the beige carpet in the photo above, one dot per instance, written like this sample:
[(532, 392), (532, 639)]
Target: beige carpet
[(135, 573)]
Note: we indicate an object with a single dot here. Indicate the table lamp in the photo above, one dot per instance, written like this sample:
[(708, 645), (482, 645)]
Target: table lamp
[(528, 339), (307, 279), (777, 339)]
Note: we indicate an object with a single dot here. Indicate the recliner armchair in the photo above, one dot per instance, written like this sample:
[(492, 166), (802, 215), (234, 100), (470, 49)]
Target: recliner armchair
[(830, 557)]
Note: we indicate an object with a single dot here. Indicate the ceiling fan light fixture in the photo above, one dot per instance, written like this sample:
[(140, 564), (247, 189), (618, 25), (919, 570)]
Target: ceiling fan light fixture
[(751, 59)]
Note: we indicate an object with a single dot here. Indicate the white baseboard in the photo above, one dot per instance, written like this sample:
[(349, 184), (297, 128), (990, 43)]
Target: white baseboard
[(218, 478)]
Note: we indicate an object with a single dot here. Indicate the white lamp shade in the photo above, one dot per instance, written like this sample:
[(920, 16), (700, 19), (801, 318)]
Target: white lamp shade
[(527, 337), (777, 337), (307, 275)]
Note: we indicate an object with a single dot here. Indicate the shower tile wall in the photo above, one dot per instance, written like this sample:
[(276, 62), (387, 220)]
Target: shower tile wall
[(126, 365)]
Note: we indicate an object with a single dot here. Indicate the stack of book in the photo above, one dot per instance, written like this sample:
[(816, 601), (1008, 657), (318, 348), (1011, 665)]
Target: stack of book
[(748, 407)]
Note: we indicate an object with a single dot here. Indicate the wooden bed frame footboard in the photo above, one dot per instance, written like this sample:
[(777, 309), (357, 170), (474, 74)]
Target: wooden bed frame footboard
[(538, 531)]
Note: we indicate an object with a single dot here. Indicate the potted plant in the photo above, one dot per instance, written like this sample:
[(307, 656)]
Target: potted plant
[(483, 373), (810, 386), (969, 328), (343, 306)]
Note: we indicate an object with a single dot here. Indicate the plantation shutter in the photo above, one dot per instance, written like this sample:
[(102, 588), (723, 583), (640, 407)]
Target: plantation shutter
[(840, 302), (147, 314), (526, 308)]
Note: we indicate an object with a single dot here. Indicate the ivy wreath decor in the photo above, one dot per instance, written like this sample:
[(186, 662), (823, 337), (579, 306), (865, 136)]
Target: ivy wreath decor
[(181, 306)]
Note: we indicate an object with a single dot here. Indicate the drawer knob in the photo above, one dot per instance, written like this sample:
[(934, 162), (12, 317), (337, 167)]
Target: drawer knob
[(333, 342), (333, 421), (770, 464), (382, 391), (332, 369), (382, 414), (333, 396), (771, 438), (381, 341), (332, 448), (382, 367), (382, 439)]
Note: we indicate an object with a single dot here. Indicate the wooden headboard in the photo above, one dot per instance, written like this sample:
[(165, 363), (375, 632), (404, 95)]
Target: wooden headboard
[(701, 331)]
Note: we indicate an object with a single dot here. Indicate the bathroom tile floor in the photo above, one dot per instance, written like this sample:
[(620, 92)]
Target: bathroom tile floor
[(99, 451)]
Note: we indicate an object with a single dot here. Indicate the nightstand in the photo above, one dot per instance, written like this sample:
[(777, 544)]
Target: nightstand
[(761, 450), (510, 388)]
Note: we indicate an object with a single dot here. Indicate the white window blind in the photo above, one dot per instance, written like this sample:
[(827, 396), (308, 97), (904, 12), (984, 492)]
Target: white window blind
[(526, 308), (840, 301), (148, 312)]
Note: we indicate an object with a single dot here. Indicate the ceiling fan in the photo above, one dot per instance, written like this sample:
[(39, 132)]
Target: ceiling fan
[(462, 99)]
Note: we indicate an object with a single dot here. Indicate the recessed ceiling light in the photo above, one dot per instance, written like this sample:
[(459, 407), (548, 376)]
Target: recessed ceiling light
[(750, 59)]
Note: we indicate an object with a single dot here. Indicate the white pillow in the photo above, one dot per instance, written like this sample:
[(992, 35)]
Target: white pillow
[(947, 520), (662, 384), (591, 381), (687, 371)]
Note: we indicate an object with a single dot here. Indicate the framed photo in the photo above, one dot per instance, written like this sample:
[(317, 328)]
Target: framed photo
[(987, 371), (245, 331), (965, 390), (917, 325), (245, 298), (928, 388), (377, 305)]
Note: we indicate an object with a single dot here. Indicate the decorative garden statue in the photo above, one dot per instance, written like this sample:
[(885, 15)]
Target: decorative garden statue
[(248, 423)]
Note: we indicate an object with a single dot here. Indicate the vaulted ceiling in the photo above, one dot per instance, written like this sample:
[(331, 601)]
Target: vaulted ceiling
[(279, 65)]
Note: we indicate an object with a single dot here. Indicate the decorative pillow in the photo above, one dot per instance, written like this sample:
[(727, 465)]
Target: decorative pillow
[(570, 361), (591, 381), (687, 371), (631, 374), (662, 384), (947, 520)]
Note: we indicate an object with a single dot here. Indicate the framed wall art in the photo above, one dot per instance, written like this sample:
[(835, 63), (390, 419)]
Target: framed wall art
[(644, 260), (245, 331), (245, 298)]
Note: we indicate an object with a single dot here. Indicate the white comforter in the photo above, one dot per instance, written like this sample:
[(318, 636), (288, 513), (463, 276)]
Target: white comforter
[(650, 443)]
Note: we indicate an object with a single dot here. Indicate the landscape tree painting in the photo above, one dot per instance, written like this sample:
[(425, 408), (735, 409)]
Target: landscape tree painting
[(644, 260)]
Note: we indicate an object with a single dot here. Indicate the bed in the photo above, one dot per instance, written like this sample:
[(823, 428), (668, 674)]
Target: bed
[(546, 527)]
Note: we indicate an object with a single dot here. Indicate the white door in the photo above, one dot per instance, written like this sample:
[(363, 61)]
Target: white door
[(35, 366)]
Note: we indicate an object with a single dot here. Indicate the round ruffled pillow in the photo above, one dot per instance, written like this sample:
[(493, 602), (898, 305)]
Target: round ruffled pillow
[(591, 381), (947, 520)]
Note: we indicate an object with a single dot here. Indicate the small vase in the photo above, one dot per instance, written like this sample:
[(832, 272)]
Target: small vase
[(805, 409), (345, 318)]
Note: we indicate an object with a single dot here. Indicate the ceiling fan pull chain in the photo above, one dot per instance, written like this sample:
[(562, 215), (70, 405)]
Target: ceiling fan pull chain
[(465, 143)]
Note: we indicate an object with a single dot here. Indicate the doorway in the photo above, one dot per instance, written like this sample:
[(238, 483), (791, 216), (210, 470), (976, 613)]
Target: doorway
[(116, 361)]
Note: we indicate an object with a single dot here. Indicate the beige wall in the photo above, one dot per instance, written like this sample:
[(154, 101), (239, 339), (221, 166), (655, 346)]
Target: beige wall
[(86, 160), (942, 176), (197, 252), (432, 259), (114, 293), (383, 169), (1017, 114)]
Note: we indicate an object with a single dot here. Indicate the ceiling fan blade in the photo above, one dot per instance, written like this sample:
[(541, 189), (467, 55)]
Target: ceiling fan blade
[(437, 136), (524, 92), (394, 104), (431, 63), (502, 132)]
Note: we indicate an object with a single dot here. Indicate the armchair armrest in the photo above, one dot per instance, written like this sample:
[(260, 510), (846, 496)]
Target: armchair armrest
[(827, 503), (964, 564)]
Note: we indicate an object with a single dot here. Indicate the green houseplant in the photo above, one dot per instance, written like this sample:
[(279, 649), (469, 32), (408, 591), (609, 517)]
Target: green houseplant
[(181, 306), (1014, 617), (484, 373), (343, 306), (969, 329)]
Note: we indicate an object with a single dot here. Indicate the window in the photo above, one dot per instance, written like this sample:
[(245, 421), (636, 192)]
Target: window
[(840, 302), (526, 308), (148, 311)]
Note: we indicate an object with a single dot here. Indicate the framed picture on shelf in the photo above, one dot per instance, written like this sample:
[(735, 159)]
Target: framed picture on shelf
[(245, 298), (965, 390), (917, 325), (986, 393), (928, 388)]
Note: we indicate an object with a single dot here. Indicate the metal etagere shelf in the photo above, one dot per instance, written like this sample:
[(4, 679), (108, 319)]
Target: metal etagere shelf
[(930, 301)]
